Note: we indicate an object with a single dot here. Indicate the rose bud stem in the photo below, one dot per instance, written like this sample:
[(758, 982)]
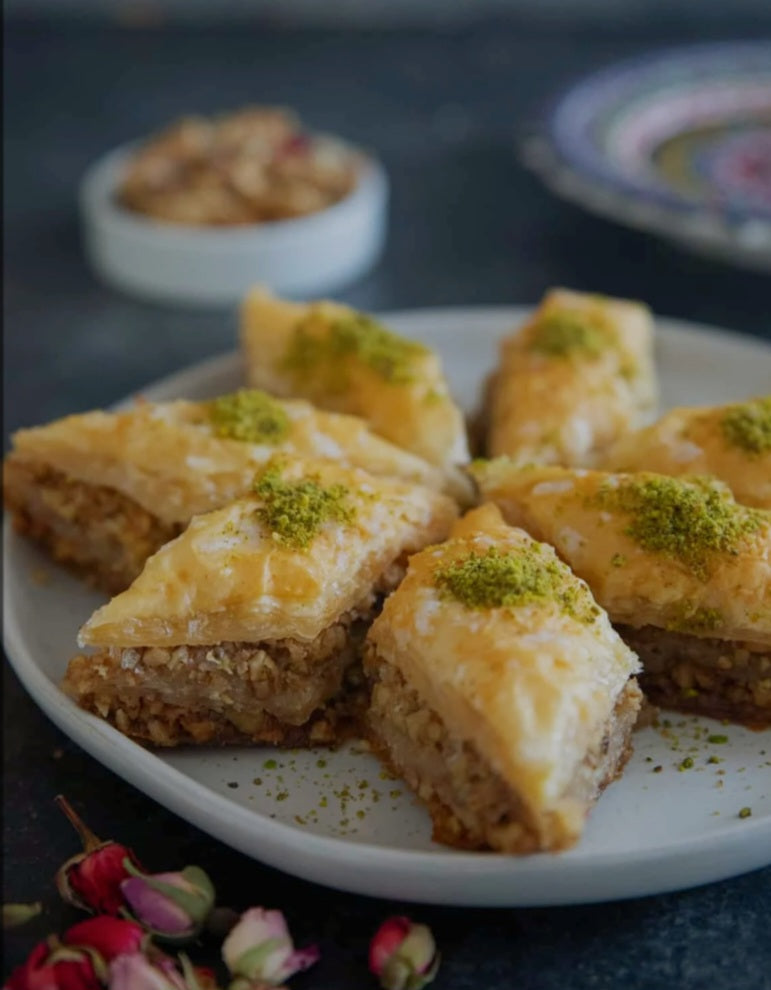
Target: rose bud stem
[(91, 879), (87, 837)]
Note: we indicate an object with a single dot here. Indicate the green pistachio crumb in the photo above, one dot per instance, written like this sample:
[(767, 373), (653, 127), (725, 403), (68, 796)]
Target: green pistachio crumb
[(690, 693), (689, 520), (686, 764), (249, 415), (320, 343), (295, 511), (496, 580), (571, 333), (617, 560), (717, 740), (745, 813), (714, 759), (689, 618), (270, 765), (748, 426)]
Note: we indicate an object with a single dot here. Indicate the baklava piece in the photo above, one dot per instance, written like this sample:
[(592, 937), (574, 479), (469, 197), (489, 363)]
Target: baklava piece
[(683, 570), (500, 691), (346, 361), (102, 491), (732, 443), (248, 626), (574, 378)]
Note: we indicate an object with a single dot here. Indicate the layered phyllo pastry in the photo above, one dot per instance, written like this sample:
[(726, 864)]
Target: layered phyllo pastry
[(500, 691), (574, 378), (346, 361), (731, 442), (248, 626), (102, 491), (683, 570)]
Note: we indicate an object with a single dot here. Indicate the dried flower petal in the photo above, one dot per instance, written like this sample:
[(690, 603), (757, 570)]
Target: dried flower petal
[(403, 955), (15, 915)]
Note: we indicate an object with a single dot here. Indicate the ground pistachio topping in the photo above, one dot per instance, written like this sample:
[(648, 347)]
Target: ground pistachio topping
[(572, 333), (295, 510), (249, 415), (689, 520), (698, 619), (748, 426), (320, 342), (497, 579)]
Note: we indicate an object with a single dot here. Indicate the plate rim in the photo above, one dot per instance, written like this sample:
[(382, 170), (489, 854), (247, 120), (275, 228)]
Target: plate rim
[(220, 816)]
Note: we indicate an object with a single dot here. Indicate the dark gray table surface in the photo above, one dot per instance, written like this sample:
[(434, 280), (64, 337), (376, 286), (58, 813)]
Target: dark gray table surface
[(469, 225)]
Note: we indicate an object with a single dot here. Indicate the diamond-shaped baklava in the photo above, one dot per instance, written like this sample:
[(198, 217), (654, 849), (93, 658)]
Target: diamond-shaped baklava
[(248, 626), (500, 691), (102, 491), (344, 360), (573, 379), (732, 443), (683, 570)]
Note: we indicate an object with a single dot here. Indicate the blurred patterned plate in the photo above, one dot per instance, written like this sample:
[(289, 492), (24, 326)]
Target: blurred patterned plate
[(677, 143)]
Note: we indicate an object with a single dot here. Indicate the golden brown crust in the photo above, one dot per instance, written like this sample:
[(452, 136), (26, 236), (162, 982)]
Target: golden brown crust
[(692, 441), (168, 458), (228, 579), (557, 409), (96, 531), (636, 586), (417, 414), (518, 680)]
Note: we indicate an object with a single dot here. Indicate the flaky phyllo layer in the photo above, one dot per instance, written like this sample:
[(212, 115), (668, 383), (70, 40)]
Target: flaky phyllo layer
[(251, 620), (510, 652), (344, 360), (571, 381)]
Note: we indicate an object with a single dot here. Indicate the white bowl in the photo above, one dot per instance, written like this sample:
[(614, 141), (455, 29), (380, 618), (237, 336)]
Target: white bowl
[(204, 266)]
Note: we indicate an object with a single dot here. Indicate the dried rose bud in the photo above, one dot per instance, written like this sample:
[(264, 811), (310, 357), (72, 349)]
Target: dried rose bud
[(51, 966), (91, 880), (108, 937), (403, 955), (259, 949), (170, 905)]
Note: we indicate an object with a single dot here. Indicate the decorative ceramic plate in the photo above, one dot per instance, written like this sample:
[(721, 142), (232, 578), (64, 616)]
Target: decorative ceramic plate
[(676, 142), (335, 818)]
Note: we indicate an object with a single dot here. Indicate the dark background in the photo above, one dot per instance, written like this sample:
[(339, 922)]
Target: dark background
[(444, 109)]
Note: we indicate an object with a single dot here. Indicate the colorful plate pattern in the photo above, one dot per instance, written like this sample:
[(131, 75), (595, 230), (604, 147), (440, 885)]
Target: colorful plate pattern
[(676, 142)]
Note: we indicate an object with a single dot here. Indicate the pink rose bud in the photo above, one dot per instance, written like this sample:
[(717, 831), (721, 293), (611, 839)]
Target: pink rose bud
[(171, 905), (259, 949), (403, 955), (91, 880), (106, 936)]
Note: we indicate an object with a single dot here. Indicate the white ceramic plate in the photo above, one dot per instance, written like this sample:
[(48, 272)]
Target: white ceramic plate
[(333, 818)]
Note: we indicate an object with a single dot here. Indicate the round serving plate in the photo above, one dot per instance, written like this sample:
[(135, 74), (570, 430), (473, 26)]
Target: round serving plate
[(335, 817), (676, 142)]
